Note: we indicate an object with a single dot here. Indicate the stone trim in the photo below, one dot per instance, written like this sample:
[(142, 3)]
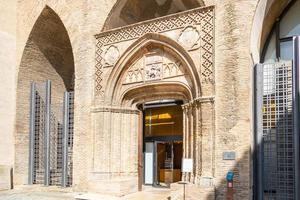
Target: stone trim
[(114, 110), (204, 99)]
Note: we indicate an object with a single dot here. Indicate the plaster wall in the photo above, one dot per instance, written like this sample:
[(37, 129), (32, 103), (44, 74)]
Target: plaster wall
[(8, 23)]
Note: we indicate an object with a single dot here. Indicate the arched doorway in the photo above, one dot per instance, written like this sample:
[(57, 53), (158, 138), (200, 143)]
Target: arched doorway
[(47, 56)]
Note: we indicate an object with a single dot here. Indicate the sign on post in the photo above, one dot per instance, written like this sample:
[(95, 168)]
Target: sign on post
[(187, 165)]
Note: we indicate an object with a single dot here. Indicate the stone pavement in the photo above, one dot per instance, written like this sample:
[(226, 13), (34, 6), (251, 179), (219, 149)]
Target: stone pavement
[(38, 192), (56, 193)]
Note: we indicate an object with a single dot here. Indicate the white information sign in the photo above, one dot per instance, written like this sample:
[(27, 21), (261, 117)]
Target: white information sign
[(187, 165)]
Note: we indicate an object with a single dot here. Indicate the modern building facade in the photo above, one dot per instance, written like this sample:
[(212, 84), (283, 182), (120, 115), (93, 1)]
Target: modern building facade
[(110, 96)]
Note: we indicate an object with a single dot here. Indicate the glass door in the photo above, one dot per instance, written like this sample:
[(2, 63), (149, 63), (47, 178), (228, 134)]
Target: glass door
[(167, 163)]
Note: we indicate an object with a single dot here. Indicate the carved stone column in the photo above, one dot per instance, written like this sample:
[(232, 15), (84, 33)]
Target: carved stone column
[(206, 140), (198, 139), (189, 139)]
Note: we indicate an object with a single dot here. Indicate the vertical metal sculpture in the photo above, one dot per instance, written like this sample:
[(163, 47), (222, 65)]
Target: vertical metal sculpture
[(68, 139), (50, 138), (276, 130), (31, 172), (47, 134)]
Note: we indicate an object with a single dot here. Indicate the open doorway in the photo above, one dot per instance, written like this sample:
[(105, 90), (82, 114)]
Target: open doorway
[(163, 146)]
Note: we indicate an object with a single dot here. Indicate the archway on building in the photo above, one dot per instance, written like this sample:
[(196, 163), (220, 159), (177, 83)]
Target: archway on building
[(127, 12), (47, 56)]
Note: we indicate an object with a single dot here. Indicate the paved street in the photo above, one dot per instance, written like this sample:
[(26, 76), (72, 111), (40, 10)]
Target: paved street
[(56, 193)]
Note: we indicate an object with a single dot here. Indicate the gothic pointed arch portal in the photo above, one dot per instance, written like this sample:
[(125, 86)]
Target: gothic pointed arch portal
[(153, 58), (47, 55), (165, 58)]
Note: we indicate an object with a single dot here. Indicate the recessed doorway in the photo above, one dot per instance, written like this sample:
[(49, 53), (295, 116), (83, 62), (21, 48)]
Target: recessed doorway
[(163, 145)]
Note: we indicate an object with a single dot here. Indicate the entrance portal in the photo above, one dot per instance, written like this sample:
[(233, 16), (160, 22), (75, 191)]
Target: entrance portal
[(163, 150)]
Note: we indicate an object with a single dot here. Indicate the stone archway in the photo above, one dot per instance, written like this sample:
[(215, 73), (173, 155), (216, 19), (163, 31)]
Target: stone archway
[(127, 12), (173, 59), (47, 56)]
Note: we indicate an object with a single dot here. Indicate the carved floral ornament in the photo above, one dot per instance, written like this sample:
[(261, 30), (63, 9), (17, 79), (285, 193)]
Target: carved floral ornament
[(111, 55), (189, 38)]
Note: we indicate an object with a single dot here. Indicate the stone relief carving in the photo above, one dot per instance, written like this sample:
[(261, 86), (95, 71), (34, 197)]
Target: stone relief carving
[(111, 55), (203, 17), (153, 71), (207, 47), (135, 73), (153, 66), (172, 69), (189, 38)]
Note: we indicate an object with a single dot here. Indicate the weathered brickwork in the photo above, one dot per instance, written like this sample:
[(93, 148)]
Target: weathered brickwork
[(211, 50)]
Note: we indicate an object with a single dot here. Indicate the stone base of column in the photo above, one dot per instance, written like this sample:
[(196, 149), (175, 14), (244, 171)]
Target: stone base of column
[(5, 177), (192, 191), (206, 181)]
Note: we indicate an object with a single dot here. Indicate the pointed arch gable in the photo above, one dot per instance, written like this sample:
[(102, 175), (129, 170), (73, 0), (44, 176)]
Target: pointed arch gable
[(148, 39), (50, 35), (34, 18), (125, 12)]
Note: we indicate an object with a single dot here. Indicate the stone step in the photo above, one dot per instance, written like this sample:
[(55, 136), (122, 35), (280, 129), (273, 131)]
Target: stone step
[(94, 196)]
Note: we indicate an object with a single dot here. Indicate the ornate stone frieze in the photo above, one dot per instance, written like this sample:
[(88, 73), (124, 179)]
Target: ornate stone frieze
[(194, 28)]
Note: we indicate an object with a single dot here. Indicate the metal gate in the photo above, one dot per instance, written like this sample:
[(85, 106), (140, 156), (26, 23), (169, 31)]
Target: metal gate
[(51, 137), (277, 131)]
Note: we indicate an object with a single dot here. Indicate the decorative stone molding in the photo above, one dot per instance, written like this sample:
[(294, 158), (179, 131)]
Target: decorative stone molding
[(203, 18), (115, 110)]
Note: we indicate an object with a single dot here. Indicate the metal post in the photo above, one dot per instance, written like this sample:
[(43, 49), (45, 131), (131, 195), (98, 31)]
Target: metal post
[(296, 92), (32, 134), (259, 130), (64, 180), (183, 191), (47, 133)]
